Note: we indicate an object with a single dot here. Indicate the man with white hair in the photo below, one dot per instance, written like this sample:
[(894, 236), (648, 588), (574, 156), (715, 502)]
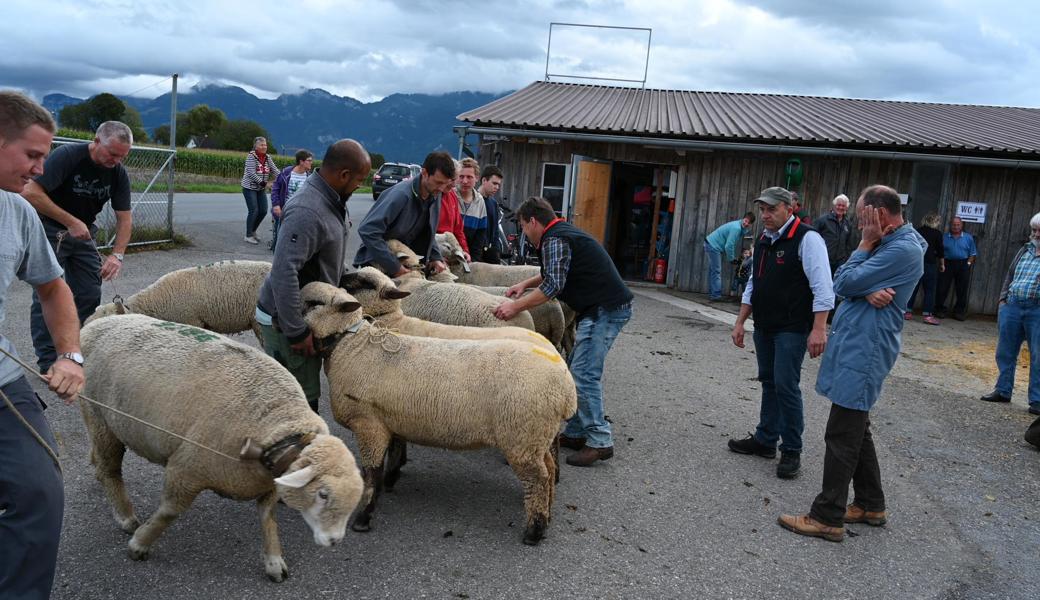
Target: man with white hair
[(836, 232), (78, 180), (1018, 320)]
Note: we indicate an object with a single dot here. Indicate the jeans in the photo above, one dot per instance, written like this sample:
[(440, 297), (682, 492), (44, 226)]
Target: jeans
[(1018, 322), (850, 457), (32, 498), (780, 356), (595, 335), (256, 209), (714, 271), (927, 281), (956, 274), (82, 265)]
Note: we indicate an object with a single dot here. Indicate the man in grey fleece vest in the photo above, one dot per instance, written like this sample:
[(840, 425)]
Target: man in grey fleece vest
[(312, 242)]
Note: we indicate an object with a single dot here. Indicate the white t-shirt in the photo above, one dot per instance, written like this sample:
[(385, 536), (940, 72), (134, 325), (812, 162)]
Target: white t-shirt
[(295, 181)]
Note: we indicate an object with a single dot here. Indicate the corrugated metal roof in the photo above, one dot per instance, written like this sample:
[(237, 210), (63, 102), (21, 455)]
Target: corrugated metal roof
[(764, 118)]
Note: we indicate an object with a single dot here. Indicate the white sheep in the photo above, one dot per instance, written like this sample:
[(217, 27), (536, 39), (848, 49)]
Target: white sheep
[(490, 393), (549, 319), (477, 273), (219, 393), (220, 297), (454, 304), (381, 299)]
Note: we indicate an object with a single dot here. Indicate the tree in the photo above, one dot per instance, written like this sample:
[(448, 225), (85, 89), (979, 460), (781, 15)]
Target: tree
[(377, 159), (89, 115), (132, 118), (202, 120), (238, 134)]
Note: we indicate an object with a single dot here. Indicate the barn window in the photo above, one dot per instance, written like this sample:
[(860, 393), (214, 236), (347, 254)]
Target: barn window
[(554, 184)]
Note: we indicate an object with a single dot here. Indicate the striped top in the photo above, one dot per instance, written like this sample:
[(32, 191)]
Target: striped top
[(256, 175)]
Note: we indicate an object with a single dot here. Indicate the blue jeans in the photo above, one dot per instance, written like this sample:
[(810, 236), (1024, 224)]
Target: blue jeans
[(256, 209), (714, 271), (780, 356), (1018, 322), (927, 282), (31, 498), (82, 265), (595, 336)]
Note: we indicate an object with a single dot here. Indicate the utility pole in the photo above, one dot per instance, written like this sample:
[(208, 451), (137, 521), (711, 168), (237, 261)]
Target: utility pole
[(171, 175)]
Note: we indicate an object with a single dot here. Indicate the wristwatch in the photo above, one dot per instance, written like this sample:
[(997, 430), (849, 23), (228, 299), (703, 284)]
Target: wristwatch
[(118, 256), (75, 357)]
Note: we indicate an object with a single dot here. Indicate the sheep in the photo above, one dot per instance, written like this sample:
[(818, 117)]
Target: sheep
[(220, 297), (381, 300), (454, 304), (219, 393), (495, 393), (548, 317), (477, 273)]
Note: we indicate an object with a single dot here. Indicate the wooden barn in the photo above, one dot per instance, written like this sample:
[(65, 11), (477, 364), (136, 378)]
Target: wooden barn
[(651, 172)]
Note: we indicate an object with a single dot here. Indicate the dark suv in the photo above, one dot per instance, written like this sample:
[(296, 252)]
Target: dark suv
[(389, 175)]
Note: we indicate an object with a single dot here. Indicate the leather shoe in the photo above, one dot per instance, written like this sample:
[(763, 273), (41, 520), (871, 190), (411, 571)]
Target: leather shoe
[(995, 396), (572, 443), (858, 514), (806, 525), (588, 455), (750, 445), (790, 463), (1034, 410)]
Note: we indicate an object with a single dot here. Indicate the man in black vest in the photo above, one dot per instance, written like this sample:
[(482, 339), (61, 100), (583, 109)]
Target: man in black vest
[(578, 271), (789, 294)]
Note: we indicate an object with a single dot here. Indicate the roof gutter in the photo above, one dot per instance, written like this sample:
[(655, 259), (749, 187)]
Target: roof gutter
[(703, 145)]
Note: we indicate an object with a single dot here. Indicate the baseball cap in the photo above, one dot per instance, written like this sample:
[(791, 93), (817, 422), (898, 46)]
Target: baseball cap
[(774, 195)]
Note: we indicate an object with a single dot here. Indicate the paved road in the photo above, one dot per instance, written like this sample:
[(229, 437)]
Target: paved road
[(673, 515)]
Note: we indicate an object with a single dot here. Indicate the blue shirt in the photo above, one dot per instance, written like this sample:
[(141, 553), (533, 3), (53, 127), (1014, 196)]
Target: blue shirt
[(727, 238), (959, 248), (815, 263), (864, 341)]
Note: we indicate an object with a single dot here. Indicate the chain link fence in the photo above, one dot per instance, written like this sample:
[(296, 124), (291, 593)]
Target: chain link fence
[(151, 196)]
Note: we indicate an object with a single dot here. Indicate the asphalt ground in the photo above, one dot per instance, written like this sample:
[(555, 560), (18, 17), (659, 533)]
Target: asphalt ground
[(673, 514)]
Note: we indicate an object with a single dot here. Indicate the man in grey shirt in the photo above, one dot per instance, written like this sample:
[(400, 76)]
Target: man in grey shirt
[(311, 247), (31, 494)]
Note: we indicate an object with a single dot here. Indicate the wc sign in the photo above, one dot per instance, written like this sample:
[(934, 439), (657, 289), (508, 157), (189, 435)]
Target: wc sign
[(972, 212)]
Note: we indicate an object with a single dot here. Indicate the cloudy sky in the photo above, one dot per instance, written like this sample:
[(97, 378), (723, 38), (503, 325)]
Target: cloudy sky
[(963, 51)]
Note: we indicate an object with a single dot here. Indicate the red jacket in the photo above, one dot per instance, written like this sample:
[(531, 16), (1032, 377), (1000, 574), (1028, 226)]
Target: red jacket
[(451, 218)]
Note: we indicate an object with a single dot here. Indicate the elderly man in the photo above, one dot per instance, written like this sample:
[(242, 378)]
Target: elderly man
[(960, 253), (1018, 320), (408, 212), (876, 282), (836, 232), (314, 233), (31, 495), (77, 181), (726, 239), (790, 295)]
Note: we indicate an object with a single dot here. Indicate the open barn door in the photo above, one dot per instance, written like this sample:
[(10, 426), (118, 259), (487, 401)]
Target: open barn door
[(590, 199)]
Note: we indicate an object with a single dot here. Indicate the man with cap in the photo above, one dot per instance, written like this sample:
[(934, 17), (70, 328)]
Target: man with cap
[(789, 294)]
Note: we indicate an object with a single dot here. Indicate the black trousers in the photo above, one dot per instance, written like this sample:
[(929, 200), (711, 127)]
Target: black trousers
[(956, 274), (850, 457)]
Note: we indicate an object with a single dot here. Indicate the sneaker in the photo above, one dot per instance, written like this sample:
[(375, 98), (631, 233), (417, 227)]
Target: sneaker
[(790, 462), (929, 319), (806, 525), (857, 514), (249, 239), (750, 445), (907, 316)]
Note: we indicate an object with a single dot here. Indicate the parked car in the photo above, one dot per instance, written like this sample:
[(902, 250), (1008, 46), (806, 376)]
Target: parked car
[(390, 174)]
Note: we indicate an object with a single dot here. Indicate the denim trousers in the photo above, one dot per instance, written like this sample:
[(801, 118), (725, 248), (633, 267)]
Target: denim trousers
[(780, 356), (926, 284), (850, 457), (256, 209), (714, 271), (595, 335), (32, 498), (1017, 322), (82, 265)]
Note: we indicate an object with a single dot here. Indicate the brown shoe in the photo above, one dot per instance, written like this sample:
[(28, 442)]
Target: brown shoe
[(588, 455), (572, 443), (806, 525), (857, 514)]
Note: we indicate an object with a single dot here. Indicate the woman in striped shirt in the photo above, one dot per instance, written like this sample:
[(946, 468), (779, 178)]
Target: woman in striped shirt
[(259, 170)]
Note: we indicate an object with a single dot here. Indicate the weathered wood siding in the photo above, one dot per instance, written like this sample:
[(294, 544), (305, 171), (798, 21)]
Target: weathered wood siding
[(720, 186)]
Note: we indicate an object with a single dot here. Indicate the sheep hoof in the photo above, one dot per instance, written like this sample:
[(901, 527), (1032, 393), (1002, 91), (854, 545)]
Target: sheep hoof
[(535, 531), (276, 569), (362, 523), (128, 525), (137, 552)]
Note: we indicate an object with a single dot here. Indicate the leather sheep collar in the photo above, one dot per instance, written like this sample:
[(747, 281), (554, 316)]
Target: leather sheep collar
[(277, 457), (327, 344)]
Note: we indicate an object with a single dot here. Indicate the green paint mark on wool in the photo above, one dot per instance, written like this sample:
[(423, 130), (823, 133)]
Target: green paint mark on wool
[(199, 335)]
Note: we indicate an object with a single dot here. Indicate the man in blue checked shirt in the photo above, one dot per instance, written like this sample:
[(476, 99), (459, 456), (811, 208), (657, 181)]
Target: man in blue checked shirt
[(578, 271), (1018, 320), (960, 253), (726, 239)]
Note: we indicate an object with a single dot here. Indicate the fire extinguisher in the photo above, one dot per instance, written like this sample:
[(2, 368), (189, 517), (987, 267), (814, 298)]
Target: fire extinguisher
[(660, 270)]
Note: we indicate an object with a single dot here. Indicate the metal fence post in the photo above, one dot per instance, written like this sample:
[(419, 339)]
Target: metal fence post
[(171, 178)]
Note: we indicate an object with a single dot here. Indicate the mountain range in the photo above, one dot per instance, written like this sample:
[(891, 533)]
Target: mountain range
[(401, 127)]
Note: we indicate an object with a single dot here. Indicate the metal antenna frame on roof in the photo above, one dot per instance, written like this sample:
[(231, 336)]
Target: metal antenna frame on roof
[(646, 66)]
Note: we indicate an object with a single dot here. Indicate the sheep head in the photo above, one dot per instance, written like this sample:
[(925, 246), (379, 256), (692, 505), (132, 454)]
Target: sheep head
[(377, 293), (324, 485), (450, 248), (107, 310), (328, 309), (409, 259)]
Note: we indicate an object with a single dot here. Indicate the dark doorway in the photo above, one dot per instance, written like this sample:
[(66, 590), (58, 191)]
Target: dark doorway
[(631, 219)]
